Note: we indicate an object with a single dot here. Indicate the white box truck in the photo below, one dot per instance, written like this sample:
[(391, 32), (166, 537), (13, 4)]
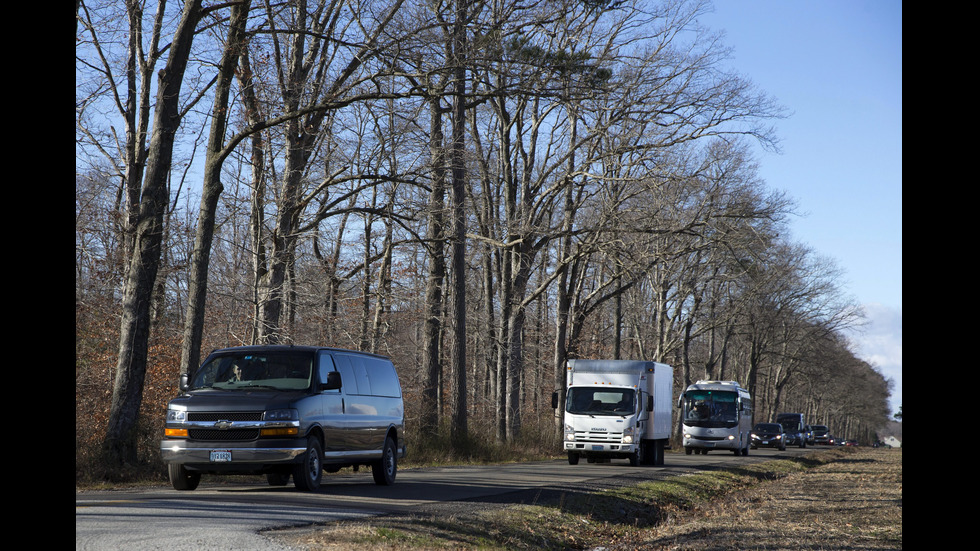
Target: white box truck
[(617, 409)]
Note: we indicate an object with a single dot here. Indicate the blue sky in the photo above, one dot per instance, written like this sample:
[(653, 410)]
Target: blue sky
[(836, 66)]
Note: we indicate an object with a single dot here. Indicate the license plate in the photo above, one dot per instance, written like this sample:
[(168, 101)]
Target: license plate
[(765, 441), (220, 456), (597, 448)]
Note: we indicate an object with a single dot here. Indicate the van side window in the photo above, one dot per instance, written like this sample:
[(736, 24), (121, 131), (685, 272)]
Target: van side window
[(343, 363), (360, 372), (325, 365), (384, 380)]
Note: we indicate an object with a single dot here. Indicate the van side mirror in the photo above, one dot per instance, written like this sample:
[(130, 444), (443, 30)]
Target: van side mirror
[(333, 381), (554, 400), (184, 382)]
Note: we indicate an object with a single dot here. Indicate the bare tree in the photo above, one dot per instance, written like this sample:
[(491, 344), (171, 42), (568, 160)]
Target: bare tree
[(147, 238)]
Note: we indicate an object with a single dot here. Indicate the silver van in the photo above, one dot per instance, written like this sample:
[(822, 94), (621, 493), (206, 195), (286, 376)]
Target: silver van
[(285, 411)]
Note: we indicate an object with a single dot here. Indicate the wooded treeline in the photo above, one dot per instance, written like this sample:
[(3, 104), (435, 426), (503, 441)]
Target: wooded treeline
[(480, 189)]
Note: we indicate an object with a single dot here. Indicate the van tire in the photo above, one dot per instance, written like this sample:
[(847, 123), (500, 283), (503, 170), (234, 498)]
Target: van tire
[(385, 469), (308, 474), (181, 478)]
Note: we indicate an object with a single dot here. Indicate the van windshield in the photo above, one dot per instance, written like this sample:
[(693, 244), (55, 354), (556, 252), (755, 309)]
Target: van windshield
[(600, 401), (249, 370)]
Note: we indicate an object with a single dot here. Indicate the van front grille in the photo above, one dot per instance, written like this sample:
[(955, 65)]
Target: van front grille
[(224, 416), (215, 434)]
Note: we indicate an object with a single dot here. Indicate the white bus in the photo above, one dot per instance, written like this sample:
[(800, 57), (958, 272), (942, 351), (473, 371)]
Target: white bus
[(716, 415)]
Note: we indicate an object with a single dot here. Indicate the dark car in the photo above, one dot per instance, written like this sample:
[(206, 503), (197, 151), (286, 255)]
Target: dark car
[(821, 434), (768, 435)]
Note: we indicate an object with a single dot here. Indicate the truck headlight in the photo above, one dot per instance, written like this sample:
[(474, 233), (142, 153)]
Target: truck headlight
[(569, 433), (628, 435)]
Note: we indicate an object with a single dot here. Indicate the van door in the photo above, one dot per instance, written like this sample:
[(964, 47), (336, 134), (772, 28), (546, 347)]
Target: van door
[(367, 427), (332, 417)]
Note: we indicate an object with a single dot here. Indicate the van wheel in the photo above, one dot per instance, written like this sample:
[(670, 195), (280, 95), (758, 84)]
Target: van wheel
[(308, 473), (384, 470), (181, 478)]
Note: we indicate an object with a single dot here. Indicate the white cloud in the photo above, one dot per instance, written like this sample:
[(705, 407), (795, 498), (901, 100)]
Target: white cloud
[(880, 344)]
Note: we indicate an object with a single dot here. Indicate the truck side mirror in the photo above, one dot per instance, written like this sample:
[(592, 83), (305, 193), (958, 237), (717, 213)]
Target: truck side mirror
[(649, 403), (554, 400), (333, 381)]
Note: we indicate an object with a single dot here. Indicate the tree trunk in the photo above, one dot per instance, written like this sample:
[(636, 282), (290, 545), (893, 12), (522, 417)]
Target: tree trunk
[(435, 280), (127, 392), (458, 415), (190, 356)]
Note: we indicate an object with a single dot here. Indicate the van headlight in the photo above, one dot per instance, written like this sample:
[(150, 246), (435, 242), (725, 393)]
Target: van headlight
[(281, 415), (176, 415)]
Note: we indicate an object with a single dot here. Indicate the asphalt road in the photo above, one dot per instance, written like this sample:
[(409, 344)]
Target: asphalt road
[(223, 515)]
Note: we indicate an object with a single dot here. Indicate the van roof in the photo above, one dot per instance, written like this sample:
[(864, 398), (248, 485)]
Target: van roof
[(296, 347)]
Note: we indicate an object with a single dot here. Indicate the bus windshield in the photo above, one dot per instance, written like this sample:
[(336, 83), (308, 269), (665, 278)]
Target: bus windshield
[(710, 408), (600, 401)]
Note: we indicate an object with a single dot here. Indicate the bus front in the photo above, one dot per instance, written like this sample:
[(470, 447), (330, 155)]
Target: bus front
[(711, 420)]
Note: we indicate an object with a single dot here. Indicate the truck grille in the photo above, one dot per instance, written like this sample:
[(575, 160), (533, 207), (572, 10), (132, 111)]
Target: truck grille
[(586, 436)]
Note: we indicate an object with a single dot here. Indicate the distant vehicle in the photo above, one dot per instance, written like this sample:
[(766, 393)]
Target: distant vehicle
[(617, 409), (716, 415), (793, 424), (821, 434), (850, 442), (808, 435), (768, 435), (285, 411)]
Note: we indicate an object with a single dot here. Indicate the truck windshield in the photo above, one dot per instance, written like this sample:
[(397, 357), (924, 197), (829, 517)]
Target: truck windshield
[(242, 371), (710, 408), (600, 401)]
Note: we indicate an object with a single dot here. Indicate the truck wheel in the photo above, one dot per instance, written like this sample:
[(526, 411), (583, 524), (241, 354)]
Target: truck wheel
[(386, 468), (181, 478), (308, 473), (572, 458)]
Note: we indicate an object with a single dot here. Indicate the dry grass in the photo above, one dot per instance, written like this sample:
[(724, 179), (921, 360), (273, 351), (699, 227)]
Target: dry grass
[(832, 500), (854, 502)]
